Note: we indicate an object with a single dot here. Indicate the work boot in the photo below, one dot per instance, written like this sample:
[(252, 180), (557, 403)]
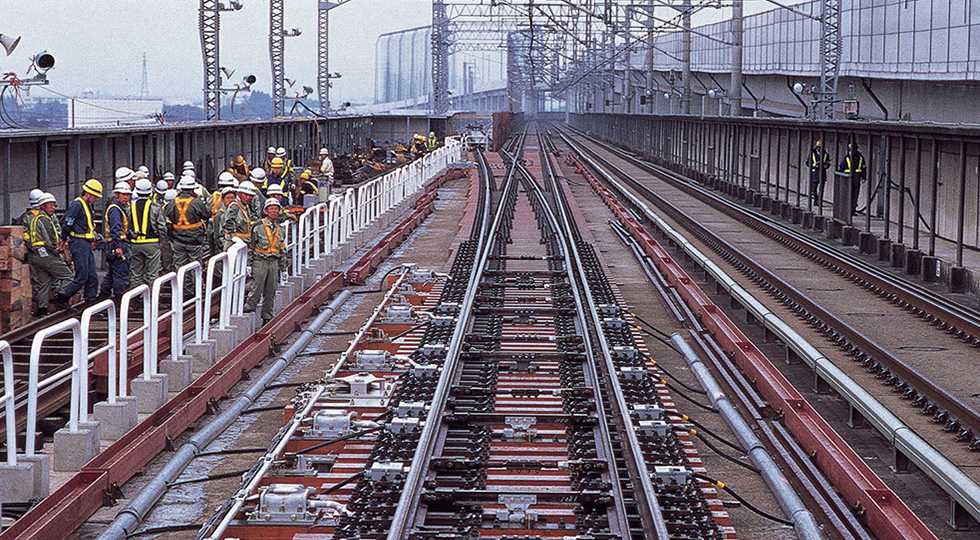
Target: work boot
[(248, 309), (41, 312), (61, 301)]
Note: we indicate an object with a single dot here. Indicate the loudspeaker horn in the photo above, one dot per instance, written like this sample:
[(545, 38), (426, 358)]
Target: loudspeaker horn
[(9, 43)]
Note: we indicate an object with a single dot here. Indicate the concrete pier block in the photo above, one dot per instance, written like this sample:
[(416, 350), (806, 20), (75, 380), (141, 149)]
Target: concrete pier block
[(913, 262), (868, 243), (930, 268), (150, 393), (16, 482), (41, 470), (203, 354), (884, 249), (179, 372), (72, 450), (898, 255), (224, 341), (320, 267), (849, 235), (280, 300), (245, 324), (116, 418), (297, 283)]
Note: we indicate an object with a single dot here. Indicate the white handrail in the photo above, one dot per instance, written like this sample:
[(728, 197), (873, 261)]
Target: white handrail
[(8, 400), (177, 325), (224, 307), (118, 371), (238, 255), (34, 385), (108, 307), (150, 362)]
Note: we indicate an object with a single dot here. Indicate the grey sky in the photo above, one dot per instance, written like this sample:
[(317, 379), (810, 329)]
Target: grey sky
[(99, 44)]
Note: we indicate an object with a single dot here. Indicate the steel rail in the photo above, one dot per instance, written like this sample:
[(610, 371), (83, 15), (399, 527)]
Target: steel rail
[(956, 407), (650, 513), (408, 501)]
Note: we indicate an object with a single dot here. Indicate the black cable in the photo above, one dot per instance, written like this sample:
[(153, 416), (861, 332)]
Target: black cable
[(659, 331), (740, 499), (703, 428), (166, 528), (674, 377), (264, 409), (208, 478), (723, 454), (336, 440), (230, 451), (342, 483), (678, 391)]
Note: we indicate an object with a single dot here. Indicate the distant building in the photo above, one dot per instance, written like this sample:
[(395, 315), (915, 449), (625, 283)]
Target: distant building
[(403, 66), (104, 112)]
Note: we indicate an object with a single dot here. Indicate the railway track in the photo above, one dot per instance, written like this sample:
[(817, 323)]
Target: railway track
[(905, 345), (514, 399)]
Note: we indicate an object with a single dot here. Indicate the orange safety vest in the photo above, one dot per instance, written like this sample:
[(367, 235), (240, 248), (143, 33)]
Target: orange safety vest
[(105, 223), (182, 223), (215, 201), (273, 241), (248, 232)]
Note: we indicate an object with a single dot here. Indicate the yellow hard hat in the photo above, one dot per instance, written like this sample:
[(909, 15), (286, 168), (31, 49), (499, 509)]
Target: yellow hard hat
[(239, 160), (277, 162), (304, 175), (93, 186)]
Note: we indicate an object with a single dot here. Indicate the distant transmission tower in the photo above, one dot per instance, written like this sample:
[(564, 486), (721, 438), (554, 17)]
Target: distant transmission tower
[(144, 85)]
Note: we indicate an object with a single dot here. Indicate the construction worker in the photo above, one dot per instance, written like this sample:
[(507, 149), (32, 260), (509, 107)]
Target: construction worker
[(79, 228), (276, 176), (418, 146), (257, 177), (148, 226), (31, 211), (236, 221), (853, 165), (48, 270), (143, 172), (225, 179), (188, 217), (125, 174), (216, 229), (159, 191), (307, 185), (166, 245), (170, 179), (270, 155), (819, 162), (267, 248), (432, 142), (115, 227), (276, 193), (188, 166), (326, 166), (238, 168), (287, 164)]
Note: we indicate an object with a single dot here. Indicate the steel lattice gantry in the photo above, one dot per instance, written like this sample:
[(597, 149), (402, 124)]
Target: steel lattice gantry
[(276, 56), (209, 24)]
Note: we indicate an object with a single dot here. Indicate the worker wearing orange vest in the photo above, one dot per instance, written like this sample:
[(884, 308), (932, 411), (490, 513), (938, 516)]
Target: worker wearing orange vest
[(225, 179), (237, 222), (267, 248), (188, 216)]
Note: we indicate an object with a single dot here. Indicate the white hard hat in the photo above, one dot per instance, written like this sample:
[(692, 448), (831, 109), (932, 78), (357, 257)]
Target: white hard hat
[(124, 174), (187, 183), (34, 196), (144, 187), (188, 165), (228, 189), (247, 188), (45, 198), (143, 169), (169, 176), (432, 134), (162, 186), (123, 187), (280, 152), (271, 150), (274, 189), (272, 201), (170, 195), (323, 151), (189, 172), (226, 179), (257, 174)]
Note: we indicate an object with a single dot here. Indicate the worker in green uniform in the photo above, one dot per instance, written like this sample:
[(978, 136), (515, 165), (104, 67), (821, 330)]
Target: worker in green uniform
[(188, 216), (216, 229), (148, 226), (48, 270), (237, 223), (268, 253), (25, 219)]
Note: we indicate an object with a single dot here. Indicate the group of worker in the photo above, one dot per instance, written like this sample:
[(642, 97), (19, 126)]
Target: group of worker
[(152, 229), (852, 165), (422, 145)]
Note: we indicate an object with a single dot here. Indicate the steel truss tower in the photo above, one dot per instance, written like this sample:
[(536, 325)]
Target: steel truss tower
[(209, 23), (830, 46), (323, 54), (440, 58), (276, 55)]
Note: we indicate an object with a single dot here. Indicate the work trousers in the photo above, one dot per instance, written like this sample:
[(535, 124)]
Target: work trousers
[(49, 273), (144, 263), (817, 180), (117, 273), (166, 255), (184, 253), (265, 280), (86, 275)]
